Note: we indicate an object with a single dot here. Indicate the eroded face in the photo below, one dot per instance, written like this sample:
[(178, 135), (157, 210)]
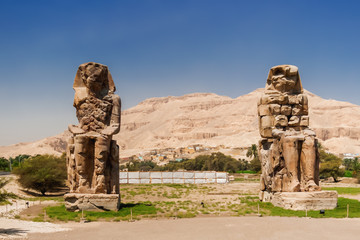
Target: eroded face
[(283, 80), (93, 77)]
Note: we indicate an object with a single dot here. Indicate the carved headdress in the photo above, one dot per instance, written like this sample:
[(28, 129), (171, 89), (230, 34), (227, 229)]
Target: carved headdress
[(284, 79), (92, 74)]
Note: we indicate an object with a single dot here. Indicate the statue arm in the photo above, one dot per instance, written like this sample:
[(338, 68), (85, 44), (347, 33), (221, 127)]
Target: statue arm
[(115, 120), (75, 129)]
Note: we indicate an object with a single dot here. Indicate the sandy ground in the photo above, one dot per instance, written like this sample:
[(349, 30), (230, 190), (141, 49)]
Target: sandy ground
[(17, 229), (194, 228), (212, 228)]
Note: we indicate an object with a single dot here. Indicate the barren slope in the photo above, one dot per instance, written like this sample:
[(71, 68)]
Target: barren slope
[(212, 120)]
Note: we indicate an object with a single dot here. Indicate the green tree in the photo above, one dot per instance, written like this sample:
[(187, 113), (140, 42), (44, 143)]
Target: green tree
[(4, 164), (330, 165), (42, 173), (352, 164), (252, 151)]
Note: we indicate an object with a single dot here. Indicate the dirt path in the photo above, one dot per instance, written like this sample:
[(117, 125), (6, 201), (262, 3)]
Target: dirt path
[(268, 228), (17, 229)]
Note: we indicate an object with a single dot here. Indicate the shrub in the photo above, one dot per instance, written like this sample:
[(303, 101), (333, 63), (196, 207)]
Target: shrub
[(42, 173), (4, 164), (330, 166)]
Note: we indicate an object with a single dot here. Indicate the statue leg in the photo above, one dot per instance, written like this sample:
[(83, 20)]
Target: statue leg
[(102, 149), (308, 164), (81, 147), (290, 146), (71, 166), (114, 166)]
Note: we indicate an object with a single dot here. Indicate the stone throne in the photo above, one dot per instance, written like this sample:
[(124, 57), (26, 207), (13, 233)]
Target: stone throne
[(92, 155), (288, 147)]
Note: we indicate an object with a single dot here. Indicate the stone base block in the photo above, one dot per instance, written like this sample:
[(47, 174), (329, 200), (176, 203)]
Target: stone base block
[(92, 202), (302, 200)]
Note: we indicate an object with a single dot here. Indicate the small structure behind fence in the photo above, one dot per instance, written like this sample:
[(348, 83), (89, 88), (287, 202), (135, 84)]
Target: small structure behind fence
[(173, 177)]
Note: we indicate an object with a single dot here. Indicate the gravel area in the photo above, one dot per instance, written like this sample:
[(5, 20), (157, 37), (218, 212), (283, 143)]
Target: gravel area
[(215, 228), (17, 229)]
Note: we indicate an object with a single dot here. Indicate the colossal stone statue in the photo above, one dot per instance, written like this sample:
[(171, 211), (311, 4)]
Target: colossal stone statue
[(288, 148), (92, 155)]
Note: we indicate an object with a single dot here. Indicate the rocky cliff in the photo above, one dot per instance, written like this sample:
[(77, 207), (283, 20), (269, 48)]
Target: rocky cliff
[(212, 120)]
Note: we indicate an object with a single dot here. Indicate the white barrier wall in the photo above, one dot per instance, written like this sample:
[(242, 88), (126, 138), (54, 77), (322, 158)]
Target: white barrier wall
[(173, 177)]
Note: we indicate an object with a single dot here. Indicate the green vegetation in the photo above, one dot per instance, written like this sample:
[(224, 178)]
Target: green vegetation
[(182, 201), (339, 212), (344, 190), (214, 162), (4, 164), (246, 171), (330, 166), (42, 173), (3, 194), (348, 173), (352, 168), (8, 164), (255, 164), (138, 210), (351, 164)]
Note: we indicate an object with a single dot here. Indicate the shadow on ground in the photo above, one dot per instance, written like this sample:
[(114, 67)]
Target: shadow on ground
[(12, 231)]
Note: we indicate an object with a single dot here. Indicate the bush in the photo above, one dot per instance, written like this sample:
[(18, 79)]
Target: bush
[(42, 173), (348, 173), (214, 162), (4, 164), (330, 166)]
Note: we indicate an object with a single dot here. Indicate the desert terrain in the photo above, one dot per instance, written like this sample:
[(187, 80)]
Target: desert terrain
[(255, 228), (219, 208), (210, 120)]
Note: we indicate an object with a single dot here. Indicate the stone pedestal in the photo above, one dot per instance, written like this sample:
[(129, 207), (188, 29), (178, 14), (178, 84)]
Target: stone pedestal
[(301, 200), (92, 202)]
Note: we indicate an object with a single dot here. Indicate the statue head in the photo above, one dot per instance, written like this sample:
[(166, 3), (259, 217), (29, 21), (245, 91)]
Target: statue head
[(95, 78), (284, 79)]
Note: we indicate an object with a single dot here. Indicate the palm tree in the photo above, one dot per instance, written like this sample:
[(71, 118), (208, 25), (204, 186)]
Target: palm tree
[(252, 151), (255, 164)]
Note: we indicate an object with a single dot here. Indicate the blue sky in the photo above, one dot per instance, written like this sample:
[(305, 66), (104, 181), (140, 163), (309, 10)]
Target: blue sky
[(158, 48)]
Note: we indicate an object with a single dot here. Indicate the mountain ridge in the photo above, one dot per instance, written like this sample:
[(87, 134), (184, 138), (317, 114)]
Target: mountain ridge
[(211, 120)]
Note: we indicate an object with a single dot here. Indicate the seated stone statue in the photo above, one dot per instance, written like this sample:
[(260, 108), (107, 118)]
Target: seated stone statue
[(288, 148), (92, 155)]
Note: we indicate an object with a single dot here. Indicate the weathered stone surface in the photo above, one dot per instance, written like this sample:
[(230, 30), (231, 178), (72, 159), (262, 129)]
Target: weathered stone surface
[(304, 121), (289, 156), (92, 202), (266, 132), (275, 109), (318, 200), (286, 110), (92, 155), (267, 121), (294, 121), (264, 110), (297, 110), (274, 99), (281, 121)]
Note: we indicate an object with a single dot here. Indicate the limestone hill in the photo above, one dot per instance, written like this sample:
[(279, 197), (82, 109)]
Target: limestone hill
[(210, 120)]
